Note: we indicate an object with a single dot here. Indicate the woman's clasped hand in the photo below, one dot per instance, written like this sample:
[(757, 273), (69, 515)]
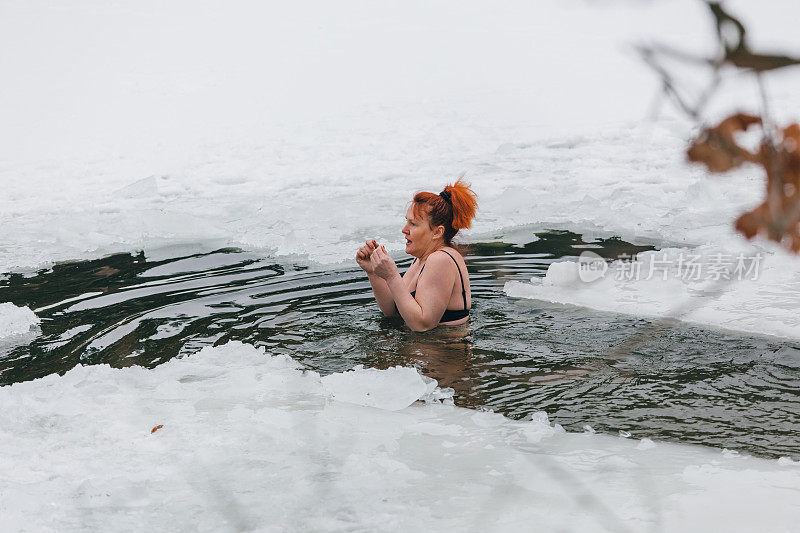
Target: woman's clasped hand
[(363, 256), (374, 259), (382, 265)]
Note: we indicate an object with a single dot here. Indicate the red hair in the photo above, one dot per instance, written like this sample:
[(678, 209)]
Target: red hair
[(454, 213)]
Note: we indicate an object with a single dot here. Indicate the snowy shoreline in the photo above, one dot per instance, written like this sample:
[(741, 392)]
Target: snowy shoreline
[(240, 429)]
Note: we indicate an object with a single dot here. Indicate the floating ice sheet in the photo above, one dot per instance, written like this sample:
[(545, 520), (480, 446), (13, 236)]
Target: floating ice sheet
[(745, 289), (392, 389)]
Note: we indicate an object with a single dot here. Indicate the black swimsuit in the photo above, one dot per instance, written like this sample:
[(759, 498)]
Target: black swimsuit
[(451, 314)]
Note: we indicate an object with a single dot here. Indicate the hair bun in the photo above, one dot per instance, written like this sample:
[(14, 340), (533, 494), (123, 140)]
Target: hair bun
[(464, 201)]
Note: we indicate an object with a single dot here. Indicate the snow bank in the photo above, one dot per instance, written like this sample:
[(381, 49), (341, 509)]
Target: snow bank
[(16, 320), (761, 297), (251, 441)]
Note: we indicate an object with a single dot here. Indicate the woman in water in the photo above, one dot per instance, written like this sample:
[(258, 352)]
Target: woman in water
[(442, 296)]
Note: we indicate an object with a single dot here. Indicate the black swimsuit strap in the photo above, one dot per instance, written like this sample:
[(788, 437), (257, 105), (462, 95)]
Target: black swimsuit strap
[(460, 275)]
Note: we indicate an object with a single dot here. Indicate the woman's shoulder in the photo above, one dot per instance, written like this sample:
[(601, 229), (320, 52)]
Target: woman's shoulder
[(452, 252), (441, 256)]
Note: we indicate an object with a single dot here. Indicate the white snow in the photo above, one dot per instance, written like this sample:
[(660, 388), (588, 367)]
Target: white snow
[(300, 129), (250, 441), (16, 320)]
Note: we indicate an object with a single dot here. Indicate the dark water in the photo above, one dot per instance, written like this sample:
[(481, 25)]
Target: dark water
[(516, 356)]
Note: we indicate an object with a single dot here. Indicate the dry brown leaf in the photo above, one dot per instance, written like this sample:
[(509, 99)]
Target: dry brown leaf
[(718, 150), (778, 217), (750, 223)]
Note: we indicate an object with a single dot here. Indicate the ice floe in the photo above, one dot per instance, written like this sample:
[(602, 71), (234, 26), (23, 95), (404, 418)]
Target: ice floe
[(16, 320), (748, 290)]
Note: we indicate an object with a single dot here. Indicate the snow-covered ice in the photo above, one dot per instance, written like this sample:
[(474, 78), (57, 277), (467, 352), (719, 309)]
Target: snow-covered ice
[(251, 441), (302, 131), (762, 297), (391, 389), (16, 320)]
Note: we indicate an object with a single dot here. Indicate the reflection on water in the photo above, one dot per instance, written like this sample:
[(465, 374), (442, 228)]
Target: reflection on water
[(515, 356), (444, 354)]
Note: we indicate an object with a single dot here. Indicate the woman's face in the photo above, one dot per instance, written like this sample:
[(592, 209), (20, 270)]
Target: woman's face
[(418, 232)]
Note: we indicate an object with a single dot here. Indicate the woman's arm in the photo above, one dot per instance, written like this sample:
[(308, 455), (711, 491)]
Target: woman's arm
[(382, 294), (433, 291)]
